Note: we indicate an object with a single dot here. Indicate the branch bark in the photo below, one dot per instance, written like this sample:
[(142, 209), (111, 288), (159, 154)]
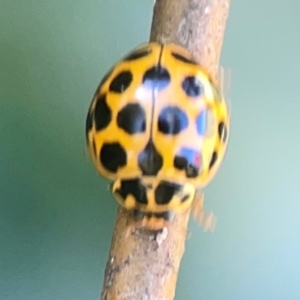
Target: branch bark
[(144, 265)]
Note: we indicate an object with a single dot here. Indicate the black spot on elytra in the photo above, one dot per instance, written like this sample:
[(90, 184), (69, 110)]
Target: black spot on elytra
[(132, 119), (192, 86), (113, 157), (133, 187), (165, 191), (88, 124), (188, 160), (149, 160), (183, 58), (156, 78), (180, 162), (201, 122), (102, 113), (172, 120), (222, 130), (121, 82), (213, 159), (137, 54)]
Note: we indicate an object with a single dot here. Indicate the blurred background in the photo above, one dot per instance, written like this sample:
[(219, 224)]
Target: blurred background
[(57, 215)]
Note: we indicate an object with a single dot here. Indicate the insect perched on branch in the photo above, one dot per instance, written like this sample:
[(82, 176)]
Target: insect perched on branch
[(158, 127)]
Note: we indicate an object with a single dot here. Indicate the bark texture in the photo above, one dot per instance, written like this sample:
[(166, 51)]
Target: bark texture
[(144, 265), (197, 25)]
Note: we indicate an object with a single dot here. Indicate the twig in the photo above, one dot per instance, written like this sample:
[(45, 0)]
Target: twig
[(144, 265)]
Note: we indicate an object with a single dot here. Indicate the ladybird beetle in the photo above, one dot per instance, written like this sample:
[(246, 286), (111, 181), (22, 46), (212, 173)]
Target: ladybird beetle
[(158, 128)]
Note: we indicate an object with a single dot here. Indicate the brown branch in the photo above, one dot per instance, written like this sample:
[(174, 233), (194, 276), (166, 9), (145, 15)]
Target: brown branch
[(144, 265), (198, 25)]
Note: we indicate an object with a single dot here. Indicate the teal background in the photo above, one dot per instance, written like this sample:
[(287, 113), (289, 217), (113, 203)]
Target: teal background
[(55, 227)]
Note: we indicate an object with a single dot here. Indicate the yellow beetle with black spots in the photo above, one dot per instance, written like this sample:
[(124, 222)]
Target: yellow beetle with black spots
[(158, 128)]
